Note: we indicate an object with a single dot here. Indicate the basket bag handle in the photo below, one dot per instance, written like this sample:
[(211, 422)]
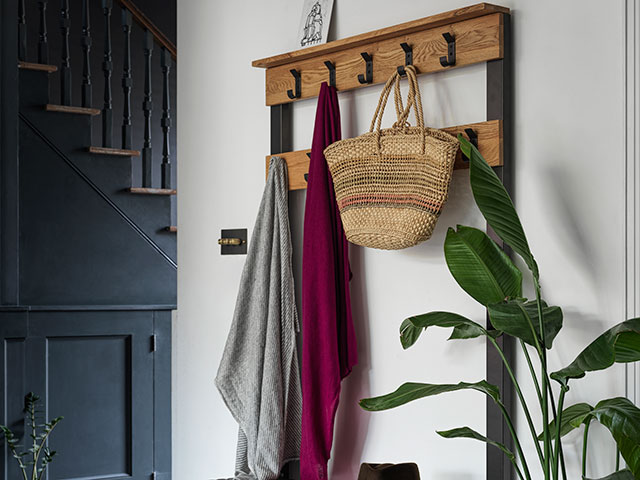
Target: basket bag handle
[(413, 100)]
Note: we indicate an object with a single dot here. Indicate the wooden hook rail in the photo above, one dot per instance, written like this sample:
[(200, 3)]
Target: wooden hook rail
[(477, 32), (466, 36), (489, 143)]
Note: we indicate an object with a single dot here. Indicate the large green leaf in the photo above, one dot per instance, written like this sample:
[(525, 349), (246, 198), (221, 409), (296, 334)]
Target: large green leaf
[(621, 475), (413, 391), (572, 418), (480, 267), (466, 432), (520, 319), (622, 418), (412, 327), (620, 344), (496, 205)]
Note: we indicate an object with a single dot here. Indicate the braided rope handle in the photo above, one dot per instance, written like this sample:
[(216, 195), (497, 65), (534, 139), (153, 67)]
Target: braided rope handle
[(413, 99), (402, 114)]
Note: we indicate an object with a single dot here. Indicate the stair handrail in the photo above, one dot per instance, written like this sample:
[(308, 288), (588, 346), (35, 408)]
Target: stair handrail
[(141, 19)]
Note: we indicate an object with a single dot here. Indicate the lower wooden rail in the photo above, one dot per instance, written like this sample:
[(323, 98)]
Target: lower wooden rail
[(489, 144)]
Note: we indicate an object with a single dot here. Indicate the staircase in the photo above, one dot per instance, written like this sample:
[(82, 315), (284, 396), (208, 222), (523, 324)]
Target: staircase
[(87, 234), (95, 218)]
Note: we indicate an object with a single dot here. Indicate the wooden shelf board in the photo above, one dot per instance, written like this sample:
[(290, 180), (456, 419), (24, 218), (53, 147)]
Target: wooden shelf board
[(478, 40), (114, 151), (70, 109), (152, 191), (433, 21), (490, 145), (41, 67)]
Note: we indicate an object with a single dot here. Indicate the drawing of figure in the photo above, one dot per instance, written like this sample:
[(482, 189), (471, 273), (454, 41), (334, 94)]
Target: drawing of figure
[(313, 26)]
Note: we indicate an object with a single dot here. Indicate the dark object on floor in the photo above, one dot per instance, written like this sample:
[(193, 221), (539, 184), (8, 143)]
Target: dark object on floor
[(389, 471)]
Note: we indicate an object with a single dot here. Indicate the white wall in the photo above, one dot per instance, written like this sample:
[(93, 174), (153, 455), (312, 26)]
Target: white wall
[(570, 177)]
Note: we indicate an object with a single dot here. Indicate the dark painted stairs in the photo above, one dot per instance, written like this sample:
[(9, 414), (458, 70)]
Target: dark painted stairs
[(77, 201)]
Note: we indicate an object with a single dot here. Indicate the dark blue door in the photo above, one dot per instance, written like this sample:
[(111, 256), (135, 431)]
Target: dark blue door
[(97, 370)]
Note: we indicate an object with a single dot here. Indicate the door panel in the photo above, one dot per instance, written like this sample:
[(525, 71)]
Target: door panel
[(90, 384)]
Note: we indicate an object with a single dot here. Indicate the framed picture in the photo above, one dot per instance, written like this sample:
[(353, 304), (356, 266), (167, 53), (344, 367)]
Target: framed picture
[(314, 24)]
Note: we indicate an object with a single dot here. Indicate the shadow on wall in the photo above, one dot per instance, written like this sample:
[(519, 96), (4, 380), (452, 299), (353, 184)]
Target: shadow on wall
[(352, 423), (570, 229)]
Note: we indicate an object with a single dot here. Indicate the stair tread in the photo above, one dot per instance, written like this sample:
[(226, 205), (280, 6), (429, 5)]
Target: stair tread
[(71, 109), (114, 151), (42, 67), (152, 191), (172, 229)]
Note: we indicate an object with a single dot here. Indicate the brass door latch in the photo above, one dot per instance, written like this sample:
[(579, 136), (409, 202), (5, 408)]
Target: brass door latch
[(230, 241), (233, 241)]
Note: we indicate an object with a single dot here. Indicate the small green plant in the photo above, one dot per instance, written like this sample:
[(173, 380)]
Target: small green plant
[(30, 458), (488, 275)]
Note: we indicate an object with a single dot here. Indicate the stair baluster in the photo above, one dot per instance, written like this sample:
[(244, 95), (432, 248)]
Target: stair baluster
[(86, 50), (22, 32), (65, 67), (166, 120), (43, 47), (107, 68), (126, 80), (147, 106)]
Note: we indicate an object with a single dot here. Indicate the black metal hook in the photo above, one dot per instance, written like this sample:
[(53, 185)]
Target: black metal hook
[(298, 88), (450, 59), (473, 140), (306, 175), (332, 73), (368, 76), (408, 57)]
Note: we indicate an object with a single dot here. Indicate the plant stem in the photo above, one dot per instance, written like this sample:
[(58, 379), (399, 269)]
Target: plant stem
[(555, 416), (32, 417), (532, 370), (585, 441), (523, 402), (516, 440), (545, 381), (14, 452), (617, 458), (517, 469), (558, 420), (42, 444)]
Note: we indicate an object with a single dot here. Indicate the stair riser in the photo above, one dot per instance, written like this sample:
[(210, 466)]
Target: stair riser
[(33, 87)]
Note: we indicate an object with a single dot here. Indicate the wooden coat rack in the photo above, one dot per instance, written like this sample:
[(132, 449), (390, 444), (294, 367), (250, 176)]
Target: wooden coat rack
[(479, 33)]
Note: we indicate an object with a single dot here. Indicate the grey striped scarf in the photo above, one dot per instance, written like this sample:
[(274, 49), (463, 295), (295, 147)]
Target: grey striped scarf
[(259, 375)]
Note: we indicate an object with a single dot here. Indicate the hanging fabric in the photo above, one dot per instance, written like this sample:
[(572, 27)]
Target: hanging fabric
[(259, 376), (329, 344)]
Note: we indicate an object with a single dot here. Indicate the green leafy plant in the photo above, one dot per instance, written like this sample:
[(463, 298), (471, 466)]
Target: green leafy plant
[(30, 459), (488, 275)]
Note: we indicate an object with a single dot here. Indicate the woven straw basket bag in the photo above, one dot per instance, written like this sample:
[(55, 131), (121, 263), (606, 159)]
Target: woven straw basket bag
[(392, 183)]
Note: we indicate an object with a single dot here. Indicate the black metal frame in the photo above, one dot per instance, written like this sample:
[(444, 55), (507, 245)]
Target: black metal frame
[(499, 107)]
